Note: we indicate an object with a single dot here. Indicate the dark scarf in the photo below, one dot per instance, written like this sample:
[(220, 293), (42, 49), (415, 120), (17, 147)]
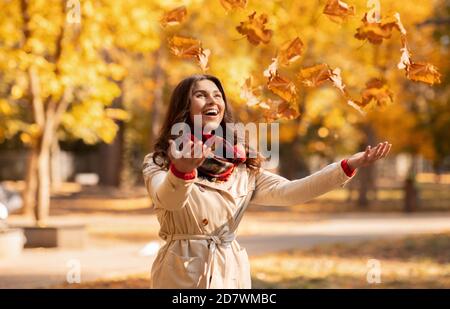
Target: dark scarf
[(219, 167)]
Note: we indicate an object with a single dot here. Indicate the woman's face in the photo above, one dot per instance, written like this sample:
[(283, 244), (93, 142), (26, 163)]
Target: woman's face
[(207, 102)]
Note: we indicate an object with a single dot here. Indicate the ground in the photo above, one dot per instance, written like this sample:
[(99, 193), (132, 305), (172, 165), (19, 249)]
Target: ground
[(309, 245)]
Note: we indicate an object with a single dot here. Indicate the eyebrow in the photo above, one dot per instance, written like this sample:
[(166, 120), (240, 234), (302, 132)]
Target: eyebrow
[(206, 91)]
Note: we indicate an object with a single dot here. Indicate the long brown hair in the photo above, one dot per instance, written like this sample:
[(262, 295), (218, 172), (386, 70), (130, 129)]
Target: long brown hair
[(179, 111)]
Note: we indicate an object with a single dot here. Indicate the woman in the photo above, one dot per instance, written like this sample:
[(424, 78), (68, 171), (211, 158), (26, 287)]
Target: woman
[(200, 200)]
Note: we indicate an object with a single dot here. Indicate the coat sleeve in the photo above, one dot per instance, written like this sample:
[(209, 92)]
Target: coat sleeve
[(166, 190), (275, 190)]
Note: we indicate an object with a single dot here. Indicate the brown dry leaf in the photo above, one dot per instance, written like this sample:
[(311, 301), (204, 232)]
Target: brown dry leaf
[(290, 51), (377, 91), (314, 76), (282, 87), (415, 71), (174, 17), (287, 111), (230, 5), (203, 58), (338, 11), (185, 47), (377, 31), (423, 72), (255, 30), (280, 109)]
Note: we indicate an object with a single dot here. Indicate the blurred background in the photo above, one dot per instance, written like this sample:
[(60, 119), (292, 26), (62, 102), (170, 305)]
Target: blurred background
[(84, 86)]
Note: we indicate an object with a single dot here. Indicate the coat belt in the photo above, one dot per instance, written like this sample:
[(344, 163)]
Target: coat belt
[(224, 238)]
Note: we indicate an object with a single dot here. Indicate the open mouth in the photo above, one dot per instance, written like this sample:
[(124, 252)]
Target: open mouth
[(211, 112)]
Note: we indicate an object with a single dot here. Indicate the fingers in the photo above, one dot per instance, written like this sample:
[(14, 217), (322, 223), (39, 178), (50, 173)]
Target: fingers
[(386, 151)]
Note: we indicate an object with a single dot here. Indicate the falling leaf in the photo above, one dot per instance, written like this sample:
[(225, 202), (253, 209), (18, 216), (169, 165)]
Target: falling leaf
[(185, 47), (282, 87), (174, 17), (338, 11), (314, 76), (423, 72), (255, 30), (280, 109), (230, 5), (290, 51), (272, 69), (377, 31), (377, 91), (203, 58), (190, 48), (415, 71)]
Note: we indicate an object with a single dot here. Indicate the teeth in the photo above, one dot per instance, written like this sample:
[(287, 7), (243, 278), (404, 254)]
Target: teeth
[(211, 112)]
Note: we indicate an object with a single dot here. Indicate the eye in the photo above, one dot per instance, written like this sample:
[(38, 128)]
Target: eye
[(218, 96)]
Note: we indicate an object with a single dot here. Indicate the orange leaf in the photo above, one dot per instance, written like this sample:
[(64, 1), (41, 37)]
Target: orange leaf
[(338, 11), (314, 76), (255, 30), (174, 17), (185, 47), (280, 109), (290, 51), (282, 87), (423, 72), (233, 4), (377, 90), (377, 31), (287, 111)]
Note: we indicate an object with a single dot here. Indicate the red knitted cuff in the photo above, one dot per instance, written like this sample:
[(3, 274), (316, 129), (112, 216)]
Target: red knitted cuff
[(185, 176), (347, 169)]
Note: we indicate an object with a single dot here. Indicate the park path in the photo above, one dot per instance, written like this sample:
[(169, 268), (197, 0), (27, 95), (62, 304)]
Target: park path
[(103, 259)]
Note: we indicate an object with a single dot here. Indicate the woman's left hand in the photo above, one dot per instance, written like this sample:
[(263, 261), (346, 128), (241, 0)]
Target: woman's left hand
[(371, 155)]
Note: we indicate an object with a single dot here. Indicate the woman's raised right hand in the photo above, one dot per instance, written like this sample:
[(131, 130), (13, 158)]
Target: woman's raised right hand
[(190, 157)]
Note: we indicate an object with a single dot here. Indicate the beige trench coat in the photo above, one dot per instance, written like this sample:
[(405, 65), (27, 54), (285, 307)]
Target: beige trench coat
[(198, 220)]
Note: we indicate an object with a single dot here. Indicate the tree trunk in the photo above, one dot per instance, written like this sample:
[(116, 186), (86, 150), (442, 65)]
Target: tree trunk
[(55, 165), (366, 175), (43, 193), (411, 192), (158, 99), (31, 182)]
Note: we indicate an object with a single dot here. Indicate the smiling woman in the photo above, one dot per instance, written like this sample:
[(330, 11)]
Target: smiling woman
[(200, 200)]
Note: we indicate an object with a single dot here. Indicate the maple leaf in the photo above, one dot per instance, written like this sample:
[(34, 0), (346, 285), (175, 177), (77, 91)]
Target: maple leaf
[(290, 51), (338, 11), (377, 31), (189, 48), (423, 72), (230, 5), (282, 87), (174, 17), (315, 75), (185, 47), (280, 109), (255, 29), (416, 71), (377, 91)]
